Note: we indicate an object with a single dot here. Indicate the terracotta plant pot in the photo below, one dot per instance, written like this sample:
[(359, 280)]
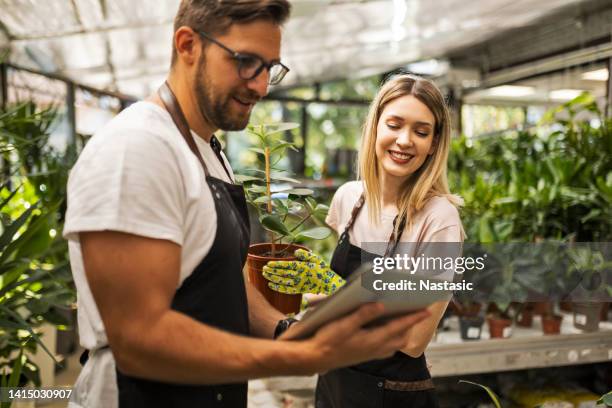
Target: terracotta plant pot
[(257, 258), (605, 308), (471, 327), (551, 324), (499, 327), (524, 317), (542, 308), (587, 315), (565, 305)]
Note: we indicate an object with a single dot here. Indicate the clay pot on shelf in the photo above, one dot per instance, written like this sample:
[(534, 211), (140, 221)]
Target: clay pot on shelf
[(500, 327), (565, 306), (551, 323), (257, 258), (605, 309), (524, 317), (542, 308), (587, 315), (471, 327)]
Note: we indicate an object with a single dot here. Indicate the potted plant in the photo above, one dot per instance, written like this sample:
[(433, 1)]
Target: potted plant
[(470, 319), (515, 268), (468, 305), (289, 215), (552, 263), (590, 269), (35, 278)]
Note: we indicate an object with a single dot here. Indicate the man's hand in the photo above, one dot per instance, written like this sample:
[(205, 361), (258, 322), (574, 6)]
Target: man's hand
[(346, 342)]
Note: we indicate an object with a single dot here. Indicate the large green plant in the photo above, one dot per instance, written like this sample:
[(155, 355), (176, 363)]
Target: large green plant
[(287, 213), (34, 273), (526, 186)]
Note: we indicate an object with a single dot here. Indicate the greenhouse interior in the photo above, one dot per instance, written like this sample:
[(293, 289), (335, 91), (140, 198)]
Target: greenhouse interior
[(526, 94)]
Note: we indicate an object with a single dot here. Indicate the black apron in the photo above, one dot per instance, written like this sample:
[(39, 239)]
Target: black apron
[(213, 294), (397, 381)]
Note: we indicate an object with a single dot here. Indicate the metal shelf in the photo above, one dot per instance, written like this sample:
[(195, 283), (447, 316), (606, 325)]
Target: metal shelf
[(448, 355)]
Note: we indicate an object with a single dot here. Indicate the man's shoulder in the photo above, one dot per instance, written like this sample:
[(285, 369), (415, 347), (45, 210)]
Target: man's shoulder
[(139, 117), (141, 127)]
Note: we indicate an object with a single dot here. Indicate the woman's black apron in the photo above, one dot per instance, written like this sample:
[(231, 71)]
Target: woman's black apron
[(213, 294), (397, 381)]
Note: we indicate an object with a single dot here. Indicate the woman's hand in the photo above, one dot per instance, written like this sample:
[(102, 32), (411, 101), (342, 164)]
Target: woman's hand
[(307, 274)]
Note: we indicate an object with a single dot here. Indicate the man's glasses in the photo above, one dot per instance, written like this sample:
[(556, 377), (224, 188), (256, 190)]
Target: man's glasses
[(249, 66)]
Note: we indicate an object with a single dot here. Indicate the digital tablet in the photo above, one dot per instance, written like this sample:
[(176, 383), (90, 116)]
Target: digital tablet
[(399, 291)]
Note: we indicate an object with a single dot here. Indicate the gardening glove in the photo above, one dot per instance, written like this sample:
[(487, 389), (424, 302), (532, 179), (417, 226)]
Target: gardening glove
[(307, 274)]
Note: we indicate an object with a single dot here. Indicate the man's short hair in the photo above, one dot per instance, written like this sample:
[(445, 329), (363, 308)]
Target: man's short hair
[(216, 16)]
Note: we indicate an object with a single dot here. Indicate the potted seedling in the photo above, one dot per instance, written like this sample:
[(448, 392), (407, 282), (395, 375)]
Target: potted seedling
[(590, 268), (289, 215), (515, 268), (468, 305), (548, 283), (470, 318)]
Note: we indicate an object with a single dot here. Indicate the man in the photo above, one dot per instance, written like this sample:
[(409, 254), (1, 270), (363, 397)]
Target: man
[(158, 235)]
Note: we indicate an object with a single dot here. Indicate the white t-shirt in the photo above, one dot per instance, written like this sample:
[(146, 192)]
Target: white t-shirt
[(136, 175), (437, 221)]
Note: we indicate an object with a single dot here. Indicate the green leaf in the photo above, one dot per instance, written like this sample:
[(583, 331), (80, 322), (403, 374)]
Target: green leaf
[(257, 189), (273, 223), (11, 195), (28, 328), (242, 178), (16, 372), (282, 207), (261, 200), (276, 177), (489, 391), (12, 229), (283, 145), (280, 127), (298, 191), (311, 203), (606, 399), (257, 150), (321, 209), (485, 233), (314, 233)]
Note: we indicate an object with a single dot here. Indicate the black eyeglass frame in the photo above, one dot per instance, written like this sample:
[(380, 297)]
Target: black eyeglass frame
[(240, 57)]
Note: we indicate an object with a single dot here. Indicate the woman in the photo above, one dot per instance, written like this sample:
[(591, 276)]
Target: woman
[(403, 187)]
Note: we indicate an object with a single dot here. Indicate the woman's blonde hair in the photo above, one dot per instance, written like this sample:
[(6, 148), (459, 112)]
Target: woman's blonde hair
[(430, 179)]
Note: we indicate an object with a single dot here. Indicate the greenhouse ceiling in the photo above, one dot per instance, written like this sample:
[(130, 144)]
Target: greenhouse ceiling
[(124, 45)]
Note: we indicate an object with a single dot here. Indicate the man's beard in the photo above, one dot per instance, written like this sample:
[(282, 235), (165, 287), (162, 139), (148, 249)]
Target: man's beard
[(217, 111)]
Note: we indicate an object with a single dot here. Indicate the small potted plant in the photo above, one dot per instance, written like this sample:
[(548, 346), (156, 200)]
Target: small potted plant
[(515, 269), (552, 284), (468, 305), (470, 317), (590, 269), (289, 215)]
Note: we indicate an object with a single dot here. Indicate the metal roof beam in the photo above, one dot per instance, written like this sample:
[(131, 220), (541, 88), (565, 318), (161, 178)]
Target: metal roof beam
[(130, 26)]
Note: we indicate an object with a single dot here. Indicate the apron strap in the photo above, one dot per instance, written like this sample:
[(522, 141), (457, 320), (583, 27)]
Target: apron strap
[(174, 109), (216, 146), (354, 213), (393, 241)]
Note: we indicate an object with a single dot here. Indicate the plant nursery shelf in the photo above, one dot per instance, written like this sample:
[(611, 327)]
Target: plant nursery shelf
[(448, 355)]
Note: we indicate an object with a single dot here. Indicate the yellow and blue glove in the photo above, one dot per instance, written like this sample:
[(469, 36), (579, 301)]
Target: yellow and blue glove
[(307, 274)]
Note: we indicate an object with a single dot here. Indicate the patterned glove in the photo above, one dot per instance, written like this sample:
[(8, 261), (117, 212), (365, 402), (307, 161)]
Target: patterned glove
[(308, 274)]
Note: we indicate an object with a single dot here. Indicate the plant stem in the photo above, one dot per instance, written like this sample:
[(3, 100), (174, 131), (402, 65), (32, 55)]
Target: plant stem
[(269, 195), (301, 222)]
